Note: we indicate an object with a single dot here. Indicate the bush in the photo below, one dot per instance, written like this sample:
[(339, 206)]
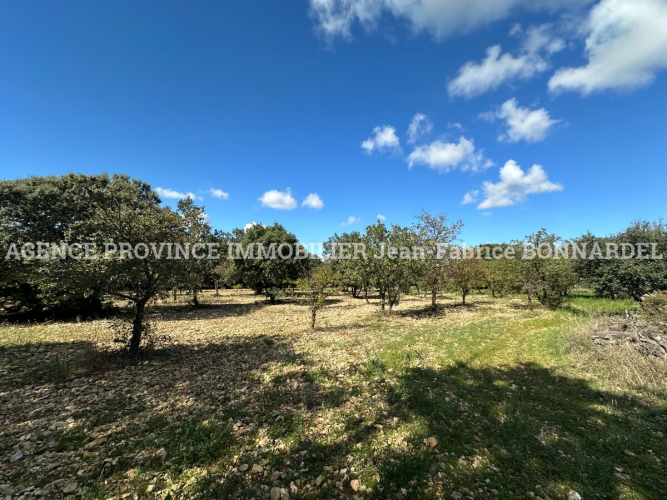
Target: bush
[(654, 306)]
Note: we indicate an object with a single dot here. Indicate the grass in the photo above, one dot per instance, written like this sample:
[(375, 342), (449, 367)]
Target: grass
[(493, 400)]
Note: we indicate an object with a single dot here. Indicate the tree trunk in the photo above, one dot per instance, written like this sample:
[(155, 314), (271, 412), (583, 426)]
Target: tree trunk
[(434, 294), (137, 326), (195, 299), (464, 296), (366, 295), (174, 295), (272, 299), (313, 317), (216, 287)]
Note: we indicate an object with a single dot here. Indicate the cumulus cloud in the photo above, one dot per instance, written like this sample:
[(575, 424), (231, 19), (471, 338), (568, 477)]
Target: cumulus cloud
[(626, 46), (172, 194), (522, 123), (251, 224), (419, 127), (470, 197), (477, 78), (381, 218), (515, 185), (350, 220), (446, 156), (313, 201), (440, 18), (279, 200), (384, 139), (219, 193)]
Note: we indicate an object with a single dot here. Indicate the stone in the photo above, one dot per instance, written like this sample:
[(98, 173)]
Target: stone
[(355, 484), (16, 456), (243, 467), (161, 455), (277, 493), (70, 487), (256, 468), (573, 495)]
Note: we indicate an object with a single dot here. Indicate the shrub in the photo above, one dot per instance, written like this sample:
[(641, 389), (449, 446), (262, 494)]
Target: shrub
[(654, 306)]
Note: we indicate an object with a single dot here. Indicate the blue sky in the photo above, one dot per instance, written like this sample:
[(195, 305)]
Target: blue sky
[(251, 97)]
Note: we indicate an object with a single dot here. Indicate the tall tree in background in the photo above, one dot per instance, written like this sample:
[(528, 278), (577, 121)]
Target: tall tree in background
[(466, 274), (197, 233), (436, 235), (391, 264), (261, 272)]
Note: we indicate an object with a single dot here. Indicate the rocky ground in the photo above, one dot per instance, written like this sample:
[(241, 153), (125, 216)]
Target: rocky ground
[(245, 402)]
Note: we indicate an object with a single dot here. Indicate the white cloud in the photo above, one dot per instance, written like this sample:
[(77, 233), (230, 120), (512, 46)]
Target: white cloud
[(279, 200), (470, 197), (477, 78), (539, 39), (446, 156), (420, 126), (515, 185), (381, 218), (176, 195), (251, 224), (384, 139), (524, 124), (350, 220), (626, 46), (313, 201), (440, 18), (219, 193)]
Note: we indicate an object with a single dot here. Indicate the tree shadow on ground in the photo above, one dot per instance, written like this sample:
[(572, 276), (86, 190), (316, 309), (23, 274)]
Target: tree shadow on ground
[(498, 433), (186, 312), (531, 426)]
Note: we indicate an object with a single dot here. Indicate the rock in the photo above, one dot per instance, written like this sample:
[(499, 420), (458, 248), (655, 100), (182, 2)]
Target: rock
[(161, 455), (70, 487), (319, 480), (150, 488), (243, 467), (256, 468), (573, 495), (355, 484), (16, 456), (277, 493), (132, 473), (293, 488), (432, 441), (275, 476), (456, 495)]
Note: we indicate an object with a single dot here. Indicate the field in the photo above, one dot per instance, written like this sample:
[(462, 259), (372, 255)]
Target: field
[(488, 400)]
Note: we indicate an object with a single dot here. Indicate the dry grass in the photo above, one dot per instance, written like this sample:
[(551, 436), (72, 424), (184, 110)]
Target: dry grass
[(346, 410)]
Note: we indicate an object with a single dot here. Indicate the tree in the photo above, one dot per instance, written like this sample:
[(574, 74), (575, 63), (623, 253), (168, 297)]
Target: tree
[(436, 235), (391, 262), (194, 271), (127, 211), (466, 274), (317, 285), (49, 210), (266, 259), (339, 251), (548, 276)]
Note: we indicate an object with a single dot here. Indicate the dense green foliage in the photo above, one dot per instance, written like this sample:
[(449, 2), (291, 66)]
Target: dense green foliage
[(389, 260)]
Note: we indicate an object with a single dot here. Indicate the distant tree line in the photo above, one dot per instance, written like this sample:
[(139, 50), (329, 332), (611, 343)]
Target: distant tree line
[(111, 210)]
